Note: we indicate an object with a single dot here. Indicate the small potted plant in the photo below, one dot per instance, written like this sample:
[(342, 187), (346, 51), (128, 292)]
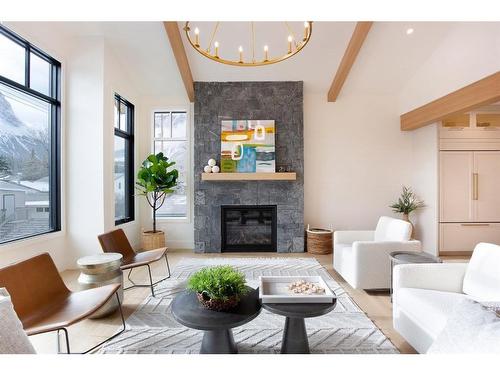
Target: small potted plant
[(155, 181), (407, 203), (218, 288)]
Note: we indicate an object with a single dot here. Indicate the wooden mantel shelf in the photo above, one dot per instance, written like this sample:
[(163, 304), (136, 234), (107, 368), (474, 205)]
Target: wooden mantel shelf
[(281, 176)]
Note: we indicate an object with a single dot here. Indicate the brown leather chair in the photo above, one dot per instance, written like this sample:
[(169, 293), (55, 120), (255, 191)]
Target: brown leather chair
[(116, 242), (43, 303)]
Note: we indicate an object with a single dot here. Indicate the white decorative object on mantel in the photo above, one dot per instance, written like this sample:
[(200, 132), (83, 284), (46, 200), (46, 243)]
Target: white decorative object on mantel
[(207, 169), (215, 169), (212, 162)]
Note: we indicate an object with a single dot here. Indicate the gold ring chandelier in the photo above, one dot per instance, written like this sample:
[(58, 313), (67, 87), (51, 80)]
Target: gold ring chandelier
[(253, 58)]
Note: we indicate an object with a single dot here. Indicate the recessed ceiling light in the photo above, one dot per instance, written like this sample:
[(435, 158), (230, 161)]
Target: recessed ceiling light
[(409, 31)]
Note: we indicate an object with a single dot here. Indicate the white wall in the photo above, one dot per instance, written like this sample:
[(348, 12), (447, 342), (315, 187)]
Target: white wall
[(116, 80), (85, 144), (425, 146), (356, 160), (179, 232)]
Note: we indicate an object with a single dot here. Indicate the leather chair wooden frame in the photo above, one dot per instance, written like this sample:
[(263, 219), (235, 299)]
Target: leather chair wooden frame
[(44, 304), (116, 241)]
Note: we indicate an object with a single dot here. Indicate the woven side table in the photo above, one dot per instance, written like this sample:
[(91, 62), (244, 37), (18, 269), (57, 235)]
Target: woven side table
[(98, 270)]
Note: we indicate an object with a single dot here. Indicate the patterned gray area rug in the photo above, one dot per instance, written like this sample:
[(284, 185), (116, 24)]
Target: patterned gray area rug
[(152, 329)]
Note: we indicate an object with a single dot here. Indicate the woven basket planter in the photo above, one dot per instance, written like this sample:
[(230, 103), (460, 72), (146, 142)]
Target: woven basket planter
[(217, 304), (152, 240), (319, 241)]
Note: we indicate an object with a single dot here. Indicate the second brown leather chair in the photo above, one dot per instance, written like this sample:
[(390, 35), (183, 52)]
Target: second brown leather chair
[(116, 242)]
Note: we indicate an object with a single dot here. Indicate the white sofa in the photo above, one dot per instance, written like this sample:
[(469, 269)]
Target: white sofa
[(424, 294), (362, 257)]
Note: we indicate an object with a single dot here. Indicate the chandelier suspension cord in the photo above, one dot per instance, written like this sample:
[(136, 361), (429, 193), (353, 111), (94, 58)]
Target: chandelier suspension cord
[(253, 43), (213, 36)]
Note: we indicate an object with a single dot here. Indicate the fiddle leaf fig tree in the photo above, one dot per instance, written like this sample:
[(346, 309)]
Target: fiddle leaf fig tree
[(155, 181)]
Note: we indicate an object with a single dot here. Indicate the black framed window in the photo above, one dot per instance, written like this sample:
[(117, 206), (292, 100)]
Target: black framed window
[(124, 160), (30, 120), (171, 138)]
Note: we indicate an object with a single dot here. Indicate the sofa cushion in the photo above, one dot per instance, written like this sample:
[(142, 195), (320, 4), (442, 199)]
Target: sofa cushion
[(390, 229), (471, 328), (428, 308), (13, 339), (482, 277)]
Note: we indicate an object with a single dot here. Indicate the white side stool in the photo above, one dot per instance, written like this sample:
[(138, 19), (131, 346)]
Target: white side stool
[(98, 270)]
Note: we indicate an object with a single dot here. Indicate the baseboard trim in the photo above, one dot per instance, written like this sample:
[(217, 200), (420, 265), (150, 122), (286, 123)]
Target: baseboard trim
[(177, 244)]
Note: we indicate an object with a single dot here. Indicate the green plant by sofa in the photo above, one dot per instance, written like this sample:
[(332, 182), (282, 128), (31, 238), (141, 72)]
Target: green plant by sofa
[(218, 288), (407, 203)]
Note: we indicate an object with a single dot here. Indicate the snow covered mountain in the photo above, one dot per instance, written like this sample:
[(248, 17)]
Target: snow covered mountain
[(16, 141)]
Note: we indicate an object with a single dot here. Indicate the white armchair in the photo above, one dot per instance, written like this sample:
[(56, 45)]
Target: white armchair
[(424, 294), (362, 257)]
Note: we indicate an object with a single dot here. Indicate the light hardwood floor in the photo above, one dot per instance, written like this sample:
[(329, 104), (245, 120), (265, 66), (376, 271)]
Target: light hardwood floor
[(89, 332)]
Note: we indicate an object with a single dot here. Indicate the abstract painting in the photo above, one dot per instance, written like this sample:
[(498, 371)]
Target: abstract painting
[(247, 146)]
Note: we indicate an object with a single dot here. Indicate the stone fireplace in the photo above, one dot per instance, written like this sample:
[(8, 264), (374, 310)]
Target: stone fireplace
[(278, 101)]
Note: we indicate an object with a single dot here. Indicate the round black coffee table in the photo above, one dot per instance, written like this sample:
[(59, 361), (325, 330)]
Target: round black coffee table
[(218, 337), (294, 334)]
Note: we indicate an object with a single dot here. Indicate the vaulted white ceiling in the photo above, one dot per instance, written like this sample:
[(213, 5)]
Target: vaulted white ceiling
[(388, 59)]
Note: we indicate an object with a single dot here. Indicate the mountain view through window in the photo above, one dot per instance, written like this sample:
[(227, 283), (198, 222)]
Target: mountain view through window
[(26, 123)]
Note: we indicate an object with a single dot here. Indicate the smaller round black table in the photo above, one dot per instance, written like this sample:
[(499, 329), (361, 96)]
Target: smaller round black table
[(218, 337), (294, 334), (410, 257)]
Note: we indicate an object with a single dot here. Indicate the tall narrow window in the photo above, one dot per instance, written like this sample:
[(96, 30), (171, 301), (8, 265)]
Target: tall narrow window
[(171, 138), (124, 160), (29, 139)]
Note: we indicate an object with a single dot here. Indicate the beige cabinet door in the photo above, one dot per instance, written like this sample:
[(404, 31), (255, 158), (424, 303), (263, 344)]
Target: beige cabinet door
[(487, 186), (456, 173), (463, 237)]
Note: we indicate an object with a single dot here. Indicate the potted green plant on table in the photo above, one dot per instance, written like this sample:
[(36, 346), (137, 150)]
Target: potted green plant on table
[(218, 288), (156, 180), (407, 203)]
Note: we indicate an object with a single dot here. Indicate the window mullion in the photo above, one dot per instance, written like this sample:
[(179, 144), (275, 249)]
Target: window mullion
[(27, 64)]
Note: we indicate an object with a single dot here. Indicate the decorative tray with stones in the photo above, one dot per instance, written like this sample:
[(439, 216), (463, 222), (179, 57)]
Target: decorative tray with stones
[(294, 289)]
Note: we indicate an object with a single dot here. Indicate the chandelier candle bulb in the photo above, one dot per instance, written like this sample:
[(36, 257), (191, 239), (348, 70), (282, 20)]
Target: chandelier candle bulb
[(216, 45), (240, 50), (266, 51), (290, 38), (197, 37), (306, 29)]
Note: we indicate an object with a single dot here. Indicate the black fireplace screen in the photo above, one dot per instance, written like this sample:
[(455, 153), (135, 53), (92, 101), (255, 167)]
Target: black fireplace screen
[(248, 228)]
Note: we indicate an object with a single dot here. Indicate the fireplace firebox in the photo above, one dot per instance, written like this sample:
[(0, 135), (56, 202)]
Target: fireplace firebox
[(248, 228)]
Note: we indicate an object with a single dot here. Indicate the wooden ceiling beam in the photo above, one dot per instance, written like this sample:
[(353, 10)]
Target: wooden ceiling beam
[(174, 36), (479, 93), (357, 39)]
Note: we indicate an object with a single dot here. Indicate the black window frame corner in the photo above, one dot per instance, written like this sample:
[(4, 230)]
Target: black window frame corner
[(128, 137)]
